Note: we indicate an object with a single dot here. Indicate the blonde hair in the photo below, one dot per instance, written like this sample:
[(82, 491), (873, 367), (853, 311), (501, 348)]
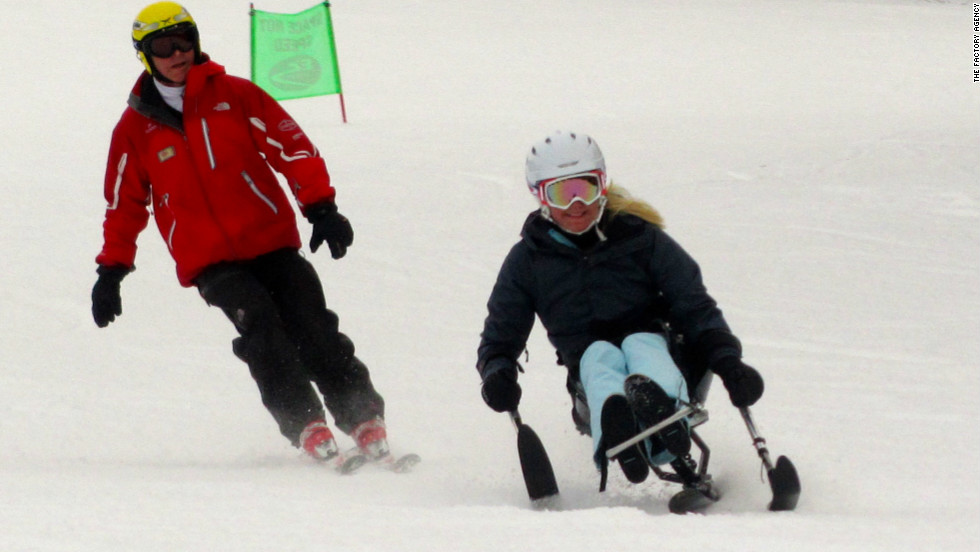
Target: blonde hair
[(619, 200)]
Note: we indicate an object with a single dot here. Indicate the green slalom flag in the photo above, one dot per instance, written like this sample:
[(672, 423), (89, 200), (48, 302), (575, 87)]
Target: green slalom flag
[(294, 55)]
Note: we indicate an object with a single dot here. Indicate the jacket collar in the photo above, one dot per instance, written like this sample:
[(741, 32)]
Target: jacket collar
[(145, 99), (200, 73), (539, 233)]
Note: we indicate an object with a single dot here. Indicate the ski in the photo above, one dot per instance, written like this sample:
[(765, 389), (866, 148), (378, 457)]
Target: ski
[(404, 463), (353, 460), (692, 499), (699, 490)]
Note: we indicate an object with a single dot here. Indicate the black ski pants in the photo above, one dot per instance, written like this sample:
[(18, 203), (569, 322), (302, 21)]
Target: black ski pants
[(289, 339)]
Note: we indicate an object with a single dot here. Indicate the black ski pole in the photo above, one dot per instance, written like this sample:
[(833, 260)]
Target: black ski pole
[(539, 476), (783, 479)]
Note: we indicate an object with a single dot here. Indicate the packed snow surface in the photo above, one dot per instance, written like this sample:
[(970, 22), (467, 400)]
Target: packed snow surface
[(819, 159)]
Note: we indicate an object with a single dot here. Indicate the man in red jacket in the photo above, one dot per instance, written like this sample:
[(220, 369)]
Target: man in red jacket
[(195, 147)]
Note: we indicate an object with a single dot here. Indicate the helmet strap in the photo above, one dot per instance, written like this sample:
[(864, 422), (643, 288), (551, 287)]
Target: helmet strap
[(546, 212), (159, 76)]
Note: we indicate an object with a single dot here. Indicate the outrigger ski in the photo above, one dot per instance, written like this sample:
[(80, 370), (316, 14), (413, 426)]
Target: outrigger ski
[(783, 479)]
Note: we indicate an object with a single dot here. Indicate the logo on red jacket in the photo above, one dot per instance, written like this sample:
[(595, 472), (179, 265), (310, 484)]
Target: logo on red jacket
[(166, 153)]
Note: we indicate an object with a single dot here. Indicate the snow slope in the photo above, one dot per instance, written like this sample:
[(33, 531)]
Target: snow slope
[(818, 158)]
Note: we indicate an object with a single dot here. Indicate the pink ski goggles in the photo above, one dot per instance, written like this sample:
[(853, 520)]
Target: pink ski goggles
[(562, 192)]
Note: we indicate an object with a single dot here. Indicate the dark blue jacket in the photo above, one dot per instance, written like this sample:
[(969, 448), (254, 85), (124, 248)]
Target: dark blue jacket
[(638, 279)]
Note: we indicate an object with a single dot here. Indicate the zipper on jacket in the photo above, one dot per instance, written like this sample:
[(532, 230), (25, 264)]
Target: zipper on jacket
[(165, 203), (207, 142), (257, 192)]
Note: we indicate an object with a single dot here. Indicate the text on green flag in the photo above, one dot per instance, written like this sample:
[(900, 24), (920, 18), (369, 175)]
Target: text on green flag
[(293, 55)]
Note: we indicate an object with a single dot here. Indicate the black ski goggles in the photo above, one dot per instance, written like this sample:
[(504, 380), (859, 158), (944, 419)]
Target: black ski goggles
[(165, 46)]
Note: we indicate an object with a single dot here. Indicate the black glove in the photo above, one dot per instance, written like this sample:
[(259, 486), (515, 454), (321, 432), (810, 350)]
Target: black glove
[(743, 382), (501, 391), (331, 227), (106, 302)]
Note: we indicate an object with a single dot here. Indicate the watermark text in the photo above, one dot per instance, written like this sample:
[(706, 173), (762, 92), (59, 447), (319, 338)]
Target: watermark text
[(976, 42)]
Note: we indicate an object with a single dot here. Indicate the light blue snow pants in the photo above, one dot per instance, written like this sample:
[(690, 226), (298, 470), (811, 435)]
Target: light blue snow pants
[(604, 367)]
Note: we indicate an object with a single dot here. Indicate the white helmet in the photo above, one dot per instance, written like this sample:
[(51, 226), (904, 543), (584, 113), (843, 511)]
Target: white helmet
[(563, 154)]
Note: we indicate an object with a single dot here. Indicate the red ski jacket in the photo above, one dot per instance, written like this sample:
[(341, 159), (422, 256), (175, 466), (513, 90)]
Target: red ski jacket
[(205, 175)]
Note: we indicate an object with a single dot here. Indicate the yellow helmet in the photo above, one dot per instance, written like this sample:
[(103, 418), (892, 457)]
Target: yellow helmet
[(159, 19)]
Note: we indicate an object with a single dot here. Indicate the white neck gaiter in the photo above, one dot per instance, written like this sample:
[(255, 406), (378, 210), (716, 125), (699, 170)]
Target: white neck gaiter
[(173, 95)]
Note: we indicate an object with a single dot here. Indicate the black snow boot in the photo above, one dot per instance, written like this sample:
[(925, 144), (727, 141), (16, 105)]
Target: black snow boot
[(619, 425), (651, 405)]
